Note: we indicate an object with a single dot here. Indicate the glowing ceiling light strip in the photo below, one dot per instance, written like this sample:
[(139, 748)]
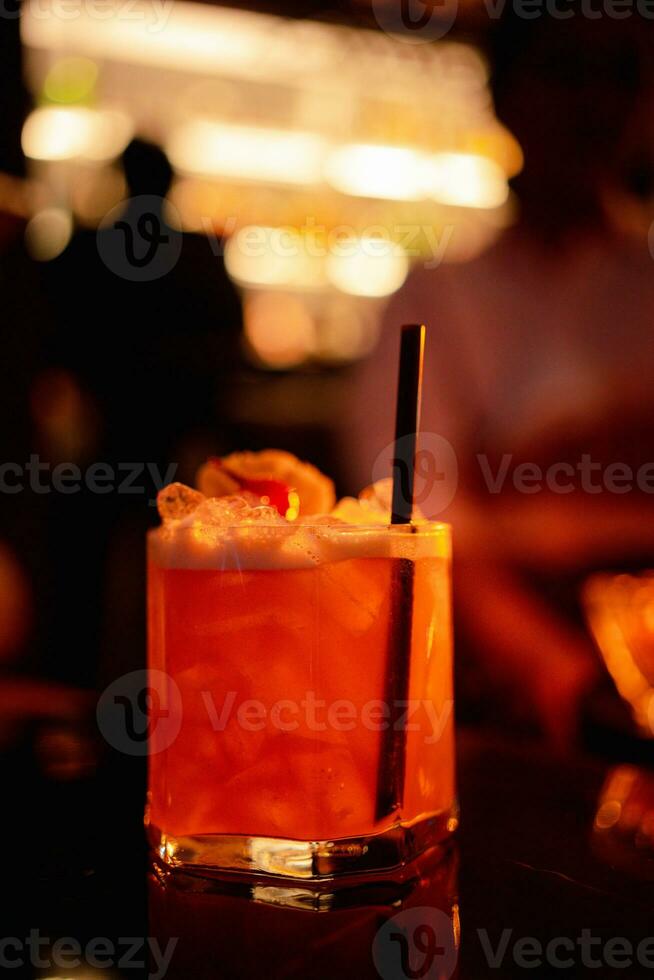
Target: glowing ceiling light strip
[(58, 133), (246, 152), (212, 40), (371, 170), (179, 35), (274, 257), (367, 267), (467, 180)]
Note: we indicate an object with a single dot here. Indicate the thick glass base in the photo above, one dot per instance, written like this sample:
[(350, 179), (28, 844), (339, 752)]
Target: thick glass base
[(195, 895), (312, 862)]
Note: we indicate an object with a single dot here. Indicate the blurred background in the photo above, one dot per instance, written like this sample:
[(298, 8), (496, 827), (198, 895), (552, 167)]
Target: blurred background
[(212, 222)]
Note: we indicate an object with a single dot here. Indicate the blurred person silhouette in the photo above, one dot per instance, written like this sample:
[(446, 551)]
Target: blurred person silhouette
[(152, 348), (540, 351)]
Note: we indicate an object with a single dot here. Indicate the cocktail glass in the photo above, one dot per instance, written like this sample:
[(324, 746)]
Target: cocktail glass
[(304, 709)]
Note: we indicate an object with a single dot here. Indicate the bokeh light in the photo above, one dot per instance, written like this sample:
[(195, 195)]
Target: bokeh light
[(57, 133), (71, 80), (279, 329), (368, 267), (366, 170), (47, 234), (467, 180), (202, 146)]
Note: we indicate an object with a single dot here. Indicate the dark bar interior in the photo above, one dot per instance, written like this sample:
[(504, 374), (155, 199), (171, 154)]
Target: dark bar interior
[(214, 221)]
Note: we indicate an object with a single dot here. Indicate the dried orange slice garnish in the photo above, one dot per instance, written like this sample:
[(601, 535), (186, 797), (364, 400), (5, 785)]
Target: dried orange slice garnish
[(293, 486), (214, 481)]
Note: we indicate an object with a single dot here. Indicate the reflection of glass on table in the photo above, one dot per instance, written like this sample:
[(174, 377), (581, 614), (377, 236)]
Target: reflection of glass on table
[(236, 930)]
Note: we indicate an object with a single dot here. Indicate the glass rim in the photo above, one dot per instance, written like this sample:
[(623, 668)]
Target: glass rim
[(430, 528)]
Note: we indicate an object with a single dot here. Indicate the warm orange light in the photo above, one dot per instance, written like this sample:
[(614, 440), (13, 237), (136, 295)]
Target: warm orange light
[(216, 149), (624, 819), (279, 329), (72, 132), (619, 613), (467, 180), (367, 266), (293, 506), (48, 233), (368, 170)]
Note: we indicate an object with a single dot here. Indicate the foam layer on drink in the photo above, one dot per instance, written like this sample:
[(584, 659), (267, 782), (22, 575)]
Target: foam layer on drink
[(212, 537)]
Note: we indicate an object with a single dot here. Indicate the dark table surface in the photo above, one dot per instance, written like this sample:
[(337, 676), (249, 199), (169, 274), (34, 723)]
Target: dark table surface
[(532, 887)]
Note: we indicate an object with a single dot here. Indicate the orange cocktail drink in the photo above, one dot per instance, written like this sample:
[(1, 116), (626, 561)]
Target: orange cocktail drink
[(280, 648)]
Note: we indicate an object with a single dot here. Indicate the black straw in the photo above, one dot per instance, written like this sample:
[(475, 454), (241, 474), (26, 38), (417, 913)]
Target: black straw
[(407, 421), (392, 762)]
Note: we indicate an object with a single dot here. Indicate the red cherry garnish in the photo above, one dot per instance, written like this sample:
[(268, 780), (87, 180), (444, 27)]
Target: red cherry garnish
[(272, 493)]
